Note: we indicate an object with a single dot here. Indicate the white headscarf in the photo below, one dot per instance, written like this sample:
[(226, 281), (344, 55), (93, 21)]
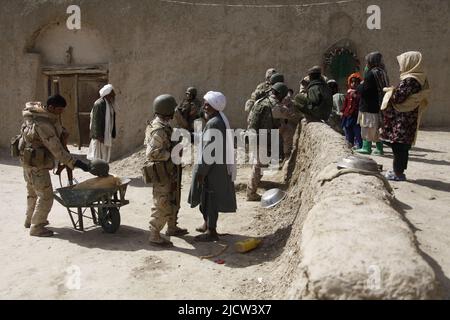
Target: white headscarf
[(218, 101), (411, 66), (106, 90), (109, 114)]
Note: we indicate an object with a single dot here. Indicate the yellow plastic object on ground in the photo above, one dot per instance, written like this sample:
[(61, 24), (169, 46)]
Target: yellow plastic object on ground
[(109, 182), (247, 245)]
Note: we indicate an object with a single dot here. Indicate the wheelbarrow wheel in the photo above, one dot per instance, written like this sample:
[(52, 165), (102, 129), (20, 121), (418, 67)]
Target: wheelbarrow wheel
[(109, 219)]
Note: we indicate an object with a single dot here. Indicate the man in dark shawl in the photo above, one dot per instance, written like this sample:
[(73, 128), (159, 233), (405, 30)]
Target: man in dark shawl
[(215, 172)]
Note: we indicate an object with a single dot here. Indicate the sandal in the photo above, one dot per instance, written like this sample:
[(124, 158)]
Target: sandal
[(206, 237), (391, 176)]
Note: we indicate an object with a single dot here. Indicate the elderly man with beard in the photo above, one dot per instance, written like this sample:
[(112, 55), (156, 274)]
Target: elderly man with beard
[(215, 171), (103, 125)]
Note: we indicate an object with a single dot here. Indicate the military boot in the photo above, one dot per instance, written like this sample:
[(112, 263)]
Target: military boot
[(176, 231), (156, 239), (173, 230), (40, 231), (253, 197), (27, 223)]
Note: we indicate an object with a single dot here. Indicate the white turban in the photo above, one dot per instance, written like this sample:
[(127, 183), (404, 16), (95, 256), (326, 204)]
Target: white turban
[(218, 101), (106, 90)]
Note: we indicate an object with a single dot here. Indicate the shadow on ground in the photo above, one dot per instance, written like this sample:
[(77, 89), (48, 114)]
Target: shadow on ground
[(433, 184), (426, 150), (419, 158), (6, 159), (132, 239), (266, 185), (430, 161), (444, 282), (138, 183)]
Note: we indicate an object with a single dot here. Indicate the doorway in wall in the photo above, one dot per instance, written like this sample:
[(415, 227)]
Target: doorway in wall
[(340, 62), (80, 87)]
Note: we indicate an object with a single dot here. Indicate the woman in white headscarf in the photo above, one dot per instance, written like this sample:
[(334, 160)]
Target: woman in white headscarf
[(215, 171), (103, 125), (402, 110)]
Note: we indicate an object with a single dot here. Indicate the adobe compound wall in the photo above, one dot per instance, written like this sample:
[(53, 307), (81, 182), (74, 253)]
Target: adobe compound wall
[(154, 47), (346, 240)]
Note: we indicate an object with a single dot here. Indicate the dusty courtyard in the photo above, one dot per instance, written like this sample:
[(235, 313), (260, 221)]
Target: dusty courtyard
[(125, 266)]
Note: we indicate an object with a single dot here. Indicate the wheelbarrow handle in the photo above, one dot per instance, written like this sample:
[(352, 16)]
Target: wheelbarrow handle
[(59, 171)]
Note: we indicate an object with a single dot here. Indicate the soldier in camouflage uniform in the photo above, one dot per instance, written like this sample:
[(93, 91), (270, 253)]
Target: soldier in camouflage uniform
[(275, 78), (318, 103), (262, 118), (283, 114), (260, 90), (306, 80), (41, 144), (188, 111), (288, 125), (159, 148)]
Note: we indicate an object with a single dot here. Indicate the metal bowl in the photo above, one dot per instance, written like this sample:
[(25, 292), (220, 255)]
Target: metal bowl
[(358, 162), (272, 197)]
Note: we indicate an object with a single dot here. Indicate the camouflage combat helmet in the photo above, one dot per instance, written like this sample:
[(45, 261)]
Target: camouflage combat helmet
[(165, 105), (276, 77), (281, 89), (192, 91), (315, 70), (99, 168), (270, 72)]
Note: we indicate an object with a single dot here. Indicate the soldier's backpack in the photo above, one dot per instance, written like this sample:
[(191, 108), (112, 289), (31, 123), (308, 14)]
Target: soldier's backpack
[(321, 100), (17, 144)]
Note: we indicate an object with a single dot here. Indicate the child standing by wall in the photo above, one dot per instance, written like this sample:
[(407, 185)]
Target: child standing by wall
[(350, 111), (335, 119), (371, 90)]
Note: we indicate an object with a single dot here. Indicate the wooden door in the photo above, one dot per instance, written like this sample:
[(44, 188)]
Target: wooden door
[(88, 93), (66, 87), (80, 91)]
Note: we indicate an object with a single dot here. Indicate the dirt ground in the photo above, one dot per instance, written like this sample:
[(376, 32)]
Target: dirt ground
[(95, 265), (123, 265), (425, 198)]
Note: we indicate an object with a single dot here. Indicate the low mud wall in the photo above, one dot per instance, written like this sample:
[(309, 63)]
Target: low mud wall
[(346, 239)]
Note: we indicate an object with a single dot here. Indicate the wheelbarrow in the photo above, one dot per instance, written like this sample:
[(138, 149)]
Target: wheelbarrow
[(104, 205)]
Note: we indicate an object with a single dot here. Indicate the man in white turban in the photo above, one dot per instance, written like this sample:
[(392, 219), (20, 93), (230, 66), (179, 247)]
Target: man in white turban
[(215, 171), (103, 125)]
